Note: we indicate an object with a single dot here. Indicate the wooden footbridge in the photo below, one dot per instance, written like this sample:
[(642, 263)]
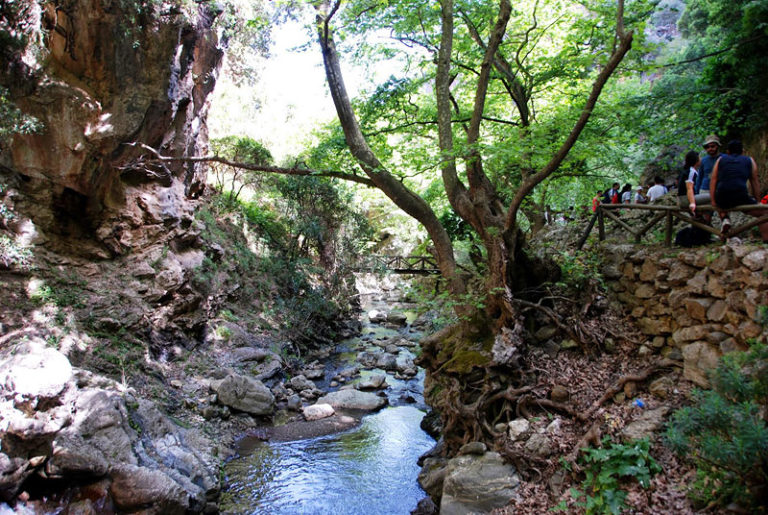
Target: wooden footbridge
[(668, 214), (420, 265)]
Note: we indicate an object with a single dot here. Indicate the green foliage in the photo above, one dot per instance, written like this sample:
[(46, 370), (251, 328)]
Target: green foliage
[(732, 82), (579, 268), (238, 149), (607, 468), (14, 255), (762, 315), (13, 120), (118, 353), (227, 315), (297, 229), (223, 332), (724, 431)]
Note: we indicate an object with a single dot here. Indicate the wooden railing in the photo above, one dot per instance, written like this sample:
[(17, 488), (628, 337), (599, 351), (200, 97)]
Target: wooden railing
[(397, 264), (668, 214)]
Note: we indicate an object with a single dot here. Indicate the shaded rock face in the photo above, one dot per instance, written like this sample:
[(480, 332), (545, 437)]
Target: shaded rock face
[(105, 78), (108, 75), (74, 424)]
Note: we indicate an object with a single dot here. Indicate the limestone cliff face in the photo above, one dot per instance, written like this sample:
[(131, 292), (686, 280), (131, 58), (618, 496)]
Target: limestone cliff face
[(102, 75)]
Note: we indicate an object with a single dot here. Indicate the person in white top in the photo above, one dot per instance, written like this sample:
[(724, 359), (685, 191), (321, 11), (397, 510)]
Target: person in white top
[(687, 181), (686, 185), (626, 194), (657, 190)]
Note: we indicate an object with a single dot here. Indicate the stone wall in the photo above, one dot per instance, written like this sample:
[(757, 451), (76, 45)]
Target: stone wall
[(692, 305)]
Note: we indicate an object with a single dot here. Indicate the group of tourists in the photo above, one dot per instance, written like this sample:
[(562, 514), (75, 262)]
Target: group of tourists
[(717, 179), (722, 180)]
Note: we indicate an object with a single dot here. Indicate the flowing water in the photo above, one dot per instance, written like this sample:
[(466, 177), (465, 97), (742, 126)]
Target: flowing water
[(369, 470)]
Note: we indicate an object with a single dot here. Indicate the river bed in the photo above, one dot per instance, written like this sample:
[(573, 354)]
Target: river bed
[(370, 469)]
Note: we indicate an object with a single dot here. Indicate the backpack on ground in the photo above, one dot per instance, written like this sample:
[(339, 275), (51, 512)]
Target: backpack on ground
[(692, 237)]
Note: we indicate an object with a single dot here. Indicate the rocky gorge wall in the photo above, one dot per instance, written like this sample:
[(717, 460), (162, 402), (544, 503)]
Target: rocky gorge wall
[(108, 244), (692, 305), (99, 77)]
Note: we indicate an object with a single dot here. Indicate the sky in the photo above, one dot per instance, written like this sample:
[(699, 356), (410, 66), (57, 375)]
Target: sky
[(291, 97)]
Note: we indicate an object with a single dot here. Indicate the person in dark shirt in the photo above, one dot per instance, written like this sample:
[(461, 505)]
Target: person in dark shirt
[(730, 176), (612, 195)]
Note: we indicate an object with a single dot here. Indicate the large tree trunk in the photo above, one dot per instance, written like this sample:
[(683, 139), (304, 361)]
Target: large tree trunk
[(393, 188)]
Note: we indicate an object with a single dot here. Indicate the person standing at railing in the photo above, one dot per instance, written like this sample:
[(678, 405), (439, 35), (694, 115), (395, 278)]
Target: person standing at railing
[(686, 181), (626, 194), (657, 190), (639, 197), (596, 200), (612, 196), (730, 176), (712, 147)]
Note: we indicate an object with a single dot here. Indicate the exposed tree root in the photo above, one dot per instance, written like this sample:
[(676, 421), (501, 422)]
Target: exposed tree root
[(635, 378), (591, 437)]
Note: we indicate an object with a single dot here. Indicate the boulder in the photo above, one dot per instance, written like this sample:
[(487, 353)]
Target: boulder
[(376, 316), (353, 399), (397, 318), (646, 425), (244, 394), (372, 382), (404, 362), (476, 483), (539, 444), (318, 411), (313, 373), (294, 402), (267, 368), (135, 487), (300, 383), (35, 373), (519, 428), (368, 358), (242, 354), (432, 476), (386, 361), (756, 260), (699, 358)]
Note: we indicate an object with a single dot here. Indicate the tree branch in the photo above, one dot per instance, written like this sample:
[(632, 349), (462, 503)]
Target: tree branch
[(625, 43), (256, 168)]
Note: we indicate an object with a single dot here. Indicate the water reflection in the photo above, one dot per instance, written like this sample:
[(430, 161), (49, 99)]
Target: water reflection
[(371, 469)]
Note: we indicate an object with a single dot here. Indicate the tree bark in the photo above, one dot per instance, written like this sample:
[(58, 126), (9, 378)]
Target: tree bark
[(393, 188)]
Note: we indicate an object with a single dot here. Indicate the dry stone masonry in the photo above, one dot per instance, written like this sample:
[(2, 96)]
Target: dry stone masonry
[(693, 305)]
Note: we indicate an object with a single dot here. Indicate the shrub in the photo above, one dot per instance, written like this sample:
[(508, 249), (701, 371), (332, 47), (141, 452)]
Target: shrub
[(724, 432), (14, 255)]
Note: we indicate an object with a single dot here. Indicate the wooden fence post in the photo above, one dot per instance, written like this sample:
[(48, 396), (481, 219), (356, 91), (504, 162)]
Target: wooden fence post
[(583, 239), (600, 223)]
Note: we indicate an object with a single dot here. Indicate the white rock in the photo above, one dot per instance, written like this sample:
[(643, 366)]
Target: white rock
[(318, 411), (518, 428)]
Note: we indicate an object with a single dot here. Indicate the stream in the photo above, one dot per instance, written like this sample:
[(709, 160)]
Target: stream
[(370, 469)]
